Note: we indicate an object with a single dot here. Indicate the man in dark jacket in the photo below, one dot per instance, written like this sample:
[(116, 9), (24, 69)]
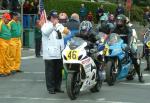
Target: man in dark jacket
[(119, 10)]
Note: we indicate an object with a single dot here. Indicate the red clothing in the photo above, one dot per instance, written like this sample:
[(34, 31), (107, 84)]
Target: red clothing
[(27, 8), (90, 17)]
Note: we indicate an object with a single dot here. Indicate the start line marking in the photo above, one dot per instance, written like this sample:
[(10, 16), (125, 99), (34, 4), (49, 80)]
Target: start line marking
[(102, 100), (28, 57)]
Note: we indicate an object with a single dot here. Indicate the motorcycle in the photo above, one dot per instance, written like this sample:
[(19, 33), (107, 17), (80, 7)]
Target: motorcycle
[(119, 63), (81, 68), (147, 47)]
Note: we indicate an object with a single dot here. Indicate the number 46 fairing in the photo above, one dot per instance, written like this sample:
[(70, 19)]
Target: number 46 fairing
[(81, 69)]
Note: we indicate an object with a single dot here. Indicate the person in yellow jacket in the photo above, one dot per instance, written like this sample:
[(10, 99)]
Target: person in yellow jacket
[(15, 43), (5, 36)]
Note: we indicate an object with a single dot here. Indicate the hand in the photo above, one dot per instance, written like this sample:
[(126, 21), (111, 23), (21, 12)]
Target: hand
[(56, 21), (41, 22)]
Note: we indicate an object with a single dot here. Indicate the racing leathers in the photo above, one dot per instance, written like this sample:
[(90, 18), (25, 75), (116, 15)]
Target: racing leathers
[(126, 33)]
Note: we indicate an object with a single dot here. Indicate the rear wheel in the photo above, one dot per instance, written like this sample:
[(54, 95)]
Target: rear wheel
[(110, 75), (73, 87)]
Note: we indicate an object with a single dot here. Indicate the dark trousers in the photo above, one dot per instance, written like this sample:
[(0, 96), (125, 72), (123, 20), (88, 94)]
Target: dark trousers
[(38, 44), (53, 74)]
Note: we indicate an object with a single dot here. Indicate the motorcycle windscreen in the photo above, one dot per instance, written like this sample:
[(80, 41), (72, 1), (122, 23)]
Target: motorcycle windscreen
[(113, 38), (75, 42)]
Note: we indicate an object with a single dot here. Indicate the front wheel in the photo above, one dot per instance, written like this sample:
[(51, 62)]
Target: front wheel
[(73, 87), (110, 75)]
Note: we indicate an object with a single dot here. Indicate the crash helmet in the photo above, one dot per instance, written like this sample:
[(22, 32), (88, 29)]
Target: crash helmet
[(85, 27), (104, 17), (121, 20)]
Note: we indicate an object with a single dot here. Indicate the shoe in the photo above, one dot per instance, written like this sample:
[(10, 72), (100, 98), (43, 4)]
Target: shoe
[(146, 69), (38, 56), (141, 80), (13, 72), (59, 91), (3, 75), (52, 92), (18, 71)]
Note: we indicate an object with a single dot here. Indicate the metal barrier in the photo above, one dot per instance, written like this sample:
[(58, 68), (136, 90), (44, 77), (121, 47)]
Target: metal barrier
[(29, 21)]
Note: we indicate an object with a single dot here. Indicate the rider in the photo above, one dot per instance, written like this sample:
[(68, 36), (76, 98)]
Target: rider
[(123, 28), (107, 24)]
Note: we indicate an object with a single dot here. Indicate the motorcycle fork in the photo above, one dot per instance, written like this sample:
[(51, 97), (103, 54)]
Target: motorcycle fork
[(116, 66)]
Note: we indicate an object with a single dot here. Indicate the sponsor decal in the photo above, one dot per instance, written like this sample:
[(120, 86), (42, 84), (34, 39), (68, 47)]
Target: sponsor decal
[(86, 61)]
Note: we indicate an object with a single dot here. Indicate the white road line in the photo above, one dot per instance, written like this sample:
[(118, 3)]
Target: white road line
[(125, 83), (34, 72), (102, 100), (26, 80), (28, 57), (145, 75), (139, 84)]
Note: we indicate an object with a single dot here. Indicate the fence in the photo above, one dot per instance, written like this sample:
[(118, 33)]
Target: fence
[(29, 22)]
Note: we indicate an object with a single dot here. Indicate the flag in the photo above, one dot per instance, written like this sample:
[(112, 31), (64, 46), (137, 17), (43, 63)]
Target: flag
[(128, 4), (43, 16)]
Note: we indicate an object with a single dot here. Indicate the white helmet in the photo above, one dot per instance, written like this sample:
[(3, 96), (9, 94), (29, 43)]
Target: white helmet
[(85, 26)]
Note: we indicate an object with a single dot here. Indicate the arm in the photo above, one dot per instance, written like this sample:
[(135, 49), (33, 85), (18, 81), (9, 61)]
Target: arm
[(47, 28)]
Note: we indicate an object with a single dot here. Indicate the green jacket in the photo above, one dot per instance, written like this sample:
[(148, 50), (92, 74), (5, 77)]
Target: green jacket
[(15, 29), (38, 33), (4, 31)]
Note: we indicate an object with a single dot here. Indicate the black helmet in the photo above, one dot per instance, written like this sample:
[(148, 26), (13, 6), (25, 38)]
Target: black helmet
[(121, 20)]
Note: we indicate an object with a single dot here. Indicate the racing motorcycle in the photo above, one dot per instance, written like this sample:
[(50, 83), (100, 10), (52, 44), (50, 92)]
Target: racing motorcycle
[(147, 47), (83, 73), (119, 63)]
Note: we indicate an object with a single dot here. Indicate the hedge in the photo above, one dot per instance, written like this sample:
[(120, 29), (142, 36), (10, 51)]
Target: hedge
[(70, 6)]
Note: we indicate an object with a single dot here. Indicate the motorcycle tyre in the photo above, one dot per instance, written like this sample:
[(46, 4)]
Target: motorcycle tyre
[(110, 78), (70, 84)]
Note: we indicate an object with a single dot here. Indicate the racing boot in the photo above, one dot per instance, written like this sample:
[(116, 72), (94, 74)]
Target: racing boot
[(141, 80)]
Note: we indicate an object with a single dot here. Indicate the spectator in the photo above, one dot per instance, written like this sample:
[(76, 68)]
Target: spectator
[(53, 44), (5, 36), (73, 26), (74, 22), (120, 10), (34, 11), (15, 43), (26, 14), (5, 4), (83, 12), (38, 37), (146, 15), (90, 17), (99, 12), (63, 18), (15, 6)]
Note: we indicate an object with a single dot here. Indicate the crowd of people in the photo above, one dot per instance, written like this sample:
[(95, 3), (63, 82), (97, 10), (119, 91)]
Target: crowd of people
[(30, 13), (10, 44)]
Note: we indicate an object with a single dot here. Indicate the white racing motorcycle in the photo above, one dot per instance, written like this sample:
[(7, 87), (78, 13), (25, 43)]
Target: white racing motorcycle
[(81, 69)]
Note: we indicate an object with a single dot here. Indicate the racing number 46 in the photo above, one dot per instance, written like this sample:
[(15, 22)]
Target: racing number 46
[(72, 55)]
